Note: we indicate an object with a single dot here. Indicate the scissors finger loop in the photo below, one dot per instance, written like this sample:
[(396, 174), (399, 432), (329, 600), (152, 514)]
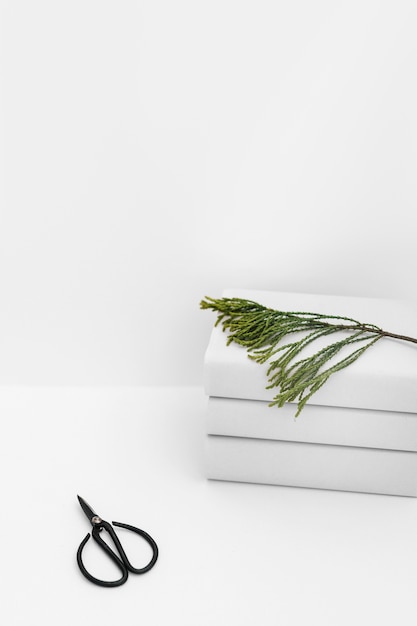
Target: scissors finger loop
[(147, 538), (109, 552)]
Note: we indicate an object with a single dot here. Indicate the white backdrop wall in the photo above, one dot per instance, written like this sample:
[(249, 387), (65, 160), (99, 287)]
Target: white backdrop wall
[(157, 151)]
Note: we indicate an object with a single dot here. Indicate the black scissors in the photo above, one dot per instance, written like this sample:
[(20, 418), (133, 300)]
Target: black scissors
[(121, 559)]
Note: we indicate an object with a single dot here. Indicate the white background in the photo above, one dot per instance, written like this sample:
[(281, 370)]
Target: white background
[(157, 151), (230, 554), (153, 152)]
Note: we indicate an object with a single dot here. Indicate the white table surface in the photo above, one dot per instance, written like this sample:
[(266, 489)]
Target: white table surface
[(229, 553)]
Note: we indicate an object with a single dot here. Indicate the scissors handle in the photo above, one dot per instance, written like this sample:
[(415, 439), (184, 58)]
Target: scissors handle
[(121, 561), (148, 539)]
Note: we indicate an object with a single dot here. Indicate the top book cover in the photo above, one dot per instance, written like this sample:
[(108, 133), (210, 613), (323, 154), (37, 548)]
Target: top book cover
[(384, 377)]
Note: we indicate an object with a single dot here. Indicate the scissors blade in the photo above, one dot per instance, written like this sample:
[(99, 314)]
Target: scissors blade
[(87, 509)]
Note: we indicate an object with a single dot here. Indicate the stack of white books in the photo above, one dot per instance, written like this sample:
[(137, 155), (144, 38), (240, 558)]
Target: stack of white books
[(357, 433)]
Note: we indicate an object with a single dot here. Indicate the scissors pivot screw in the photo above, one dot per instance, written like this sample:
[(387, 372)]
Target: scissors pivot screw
[(96, 519)]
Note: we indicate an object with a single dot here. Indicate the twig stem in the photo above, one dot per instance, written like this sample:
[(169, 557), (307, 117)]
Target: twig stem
[(370, 329)]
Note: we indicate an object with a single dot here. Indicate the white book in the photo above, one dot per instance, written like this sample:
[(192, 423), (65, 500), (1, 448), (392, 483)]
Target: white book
[(316, 424), (311, 465), (383, 378)]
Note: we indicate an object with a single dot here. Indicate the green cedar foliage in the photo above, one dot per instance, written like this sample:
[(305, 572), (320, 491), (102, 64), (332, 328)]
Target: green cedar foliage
[(261, 331)]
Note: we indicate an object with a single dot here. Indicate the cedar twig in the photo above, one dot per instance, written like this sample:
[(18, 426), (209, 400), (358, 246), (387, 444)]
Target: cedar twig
[(261, 331)]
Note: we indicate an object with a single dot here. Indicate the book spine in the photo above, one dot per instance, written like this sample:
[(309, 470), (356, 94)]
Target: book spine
[(317, 424), (309, 465), (247, 380)]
